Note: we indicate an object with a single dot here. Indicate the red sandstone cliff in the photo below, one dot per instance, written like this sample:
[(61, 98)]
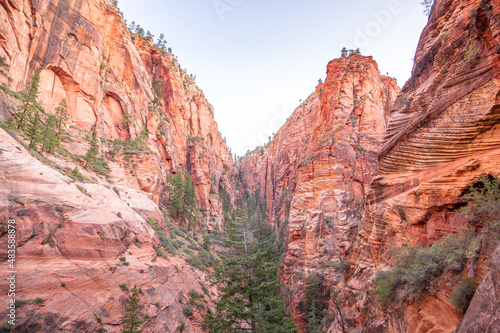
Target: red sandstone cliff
[(442, 135), (72, 234), (88, 56), (317, 170)]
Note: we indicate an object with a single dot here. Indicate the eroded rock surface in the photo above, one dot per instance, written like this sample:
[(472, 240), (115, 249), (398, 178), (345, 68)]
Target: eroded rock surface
[(70, 238), (123, 85), (316, 172)]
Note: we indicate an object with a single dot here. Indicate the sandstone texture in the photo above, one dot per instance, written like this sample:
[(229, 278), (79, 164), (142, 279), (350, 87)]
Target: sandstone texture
[(317, 170), (443, 134), (70, 238), (122, 84)]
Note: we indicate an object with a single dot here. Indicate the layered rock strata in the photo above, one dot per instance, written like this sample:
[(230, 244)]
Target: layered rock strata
[(317, 170)]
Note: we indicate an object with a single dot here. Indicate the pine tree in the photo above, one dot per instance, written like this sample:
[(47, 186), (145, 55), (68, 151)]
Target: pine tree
[(427, 6), (247, 283), (314, 305), (132, 317), (3, 66), (9, 124), (132, 26), (162, 42), (93, 150), (50, 139), (28, 98), (177, 196), (33, 129), (62, 115), (190, 203)]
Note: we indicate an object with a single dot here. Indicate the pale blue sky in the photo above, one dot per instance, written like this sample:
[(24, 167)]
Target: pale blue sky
[(255, 59)]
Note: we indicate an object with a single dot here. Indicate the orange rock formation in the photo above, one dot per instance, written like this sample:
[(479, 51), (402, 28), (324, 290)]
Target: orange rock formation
[(70, 242), (317, 170)]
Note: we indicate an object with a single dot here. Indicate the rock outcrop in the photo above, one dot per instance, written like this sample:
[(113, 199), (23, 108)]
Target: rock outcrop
[(483, 312), (443, 133), (122, 84), (76, 244), (316, 172), (79, 240)]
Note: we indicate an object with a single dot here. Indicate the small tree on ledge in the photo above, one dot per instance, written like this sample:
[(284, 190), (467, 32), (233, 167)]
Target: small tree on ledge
[(132, 318)]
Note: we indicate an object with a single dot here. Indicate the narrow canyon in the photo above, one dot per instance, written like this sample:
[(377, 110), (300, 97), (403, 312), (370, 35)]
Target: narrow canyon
[(368, 188)]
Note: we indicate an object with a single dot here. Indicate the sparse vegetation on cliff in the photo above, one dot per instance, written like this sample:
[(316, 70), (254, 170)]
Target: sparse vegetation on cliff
[(417, 268), (462, 295), (183, 203)]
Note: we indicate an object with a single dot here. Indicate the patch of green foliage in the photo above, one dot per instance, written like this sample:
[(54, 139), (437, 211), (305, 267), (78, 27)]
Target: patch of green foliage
[(183, 203), (462, 295), (417, 268), (132, 317)]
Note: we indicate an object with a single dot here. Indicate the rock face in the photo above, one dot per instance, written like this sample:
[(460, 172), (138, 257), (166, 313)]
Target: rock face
[(123, 85), (441, 135), (70, 238), (78, 241), (483, 312), (444, 132), (316, 171)]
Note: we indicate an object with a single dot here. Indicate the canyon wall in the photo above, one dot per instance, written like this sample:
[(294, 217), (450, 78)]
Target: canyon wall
[(78, 245), (317, 170), (346, 184), (80, 234), (123, 85), (442, 135)]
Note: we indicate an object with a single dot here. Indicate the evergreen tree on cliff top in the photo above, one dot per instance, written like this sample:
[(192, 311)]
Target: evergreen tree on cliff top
[(248, 285)]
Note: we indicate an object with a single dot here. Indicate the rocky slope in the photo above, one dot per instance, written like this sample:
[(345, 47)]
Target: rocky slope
[(81, 236), (317, 170), (442, 135), (70, 238), (122, 84)]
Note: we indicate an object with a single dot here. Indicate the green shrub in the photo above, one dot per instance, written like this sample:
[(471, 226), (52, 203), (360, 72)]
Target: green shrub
[(166, 243), (340, 267), (178, 243), (417, 268), (123, 287), (193, 247), (21, 302), (204, 288), (100, 166), (187, 310), (77, 175), (160, 252), (483, 204), (386, 284), (194, 294), (462, 295), (195, 261)]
